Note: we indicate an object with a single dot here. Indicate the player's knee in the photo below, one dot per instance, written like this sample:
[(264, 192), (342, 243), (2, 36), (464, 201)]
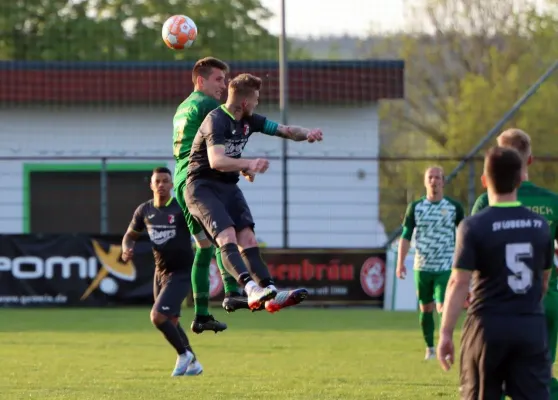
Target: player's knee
[(439, 307), (226, 236), (203, 243), (429, 307), (157, 318), (246, 238)]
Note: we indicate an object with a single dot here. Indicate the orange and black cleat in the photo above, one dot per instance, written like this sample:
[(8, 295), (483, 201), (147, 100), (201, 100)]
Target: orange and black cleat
[(286, 298)]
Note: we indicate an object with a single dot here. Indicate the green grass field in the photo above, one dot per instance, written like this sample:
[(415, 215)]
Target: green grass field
[(320, 354)]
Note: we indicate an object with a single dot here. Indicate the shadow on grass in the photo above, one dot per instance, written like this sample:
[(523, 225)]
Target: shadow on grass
[(137, 319)]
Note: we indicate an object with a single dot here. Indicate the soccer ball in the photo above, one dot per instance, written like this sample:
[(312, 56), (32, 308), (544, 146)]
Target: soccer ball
[(179, 32)]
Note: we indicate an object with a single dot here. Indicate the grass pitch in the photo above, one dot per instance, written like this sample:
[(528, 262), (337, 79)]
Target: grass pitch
[(101, 354)]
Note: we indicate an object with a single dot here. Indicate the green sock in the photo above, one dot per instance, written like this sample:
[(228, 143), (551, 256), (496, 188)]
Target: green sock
[(200, 280), (231, 286), (427, 324)]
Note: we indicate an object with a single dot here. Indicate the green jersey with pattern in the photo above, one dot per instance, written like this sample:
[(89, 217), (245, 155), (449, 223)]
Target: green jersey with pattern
[(434, 224), (186, 122), (539, 200)]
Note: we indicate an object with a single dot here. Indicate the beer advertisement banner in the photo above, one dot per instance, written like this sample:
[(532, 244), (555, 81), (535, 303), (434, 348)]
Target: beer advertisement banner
[(343, 277), (86, 270)]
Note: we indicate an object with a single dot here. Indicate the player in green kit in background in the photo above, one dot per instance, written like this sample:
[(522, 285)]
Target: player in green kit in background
[(544, 203), (434, 219), (208, 76)]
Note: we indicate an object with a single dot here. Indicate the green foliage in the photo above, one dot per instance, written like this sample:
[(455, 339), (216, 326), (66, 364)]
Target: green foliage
[(461, 82), (130, 30)]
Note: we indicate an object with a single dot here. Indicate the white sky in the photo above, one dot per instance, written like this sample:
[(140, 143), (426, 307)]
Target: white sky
[(354, 17), (323, 17)]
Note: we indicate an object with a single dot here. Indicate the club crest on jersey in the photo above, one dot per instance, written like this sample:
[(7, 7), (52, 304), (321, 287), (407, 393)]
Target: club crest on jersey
[(171, 219), (246, 129)]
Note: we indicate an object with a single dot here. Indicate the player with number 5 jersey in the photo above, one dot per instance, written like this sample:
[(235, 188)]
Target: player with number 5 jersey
[(545, 203), (433, 219)]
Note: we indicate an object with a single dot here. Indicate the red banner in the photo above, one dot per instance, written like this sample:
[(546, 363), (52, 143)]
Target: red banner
[(331, 276)]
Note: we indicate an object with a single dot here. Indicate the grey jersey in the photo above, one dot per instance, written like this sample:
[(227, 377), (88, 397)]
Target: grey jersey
[(168, 233), (507, 248)]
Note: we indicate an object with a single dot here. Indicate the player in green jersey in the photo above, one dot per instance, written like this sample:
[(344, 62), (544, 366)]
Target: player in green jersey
[(208, 75), (433, 219), (544, 203)]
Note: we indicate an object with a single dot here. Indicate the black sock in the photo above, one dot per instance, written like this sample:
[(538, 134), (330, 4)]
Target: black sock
[(172, 335), (233, 263), (185, 340), (257, 266)]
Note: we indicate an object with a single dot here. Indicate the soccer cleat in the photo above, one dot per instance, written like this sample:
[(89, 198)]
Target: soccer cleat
[(286, 298), (430, 353), (258, 296), (182, 363), (195, 368), (207, 323), (233, 303)]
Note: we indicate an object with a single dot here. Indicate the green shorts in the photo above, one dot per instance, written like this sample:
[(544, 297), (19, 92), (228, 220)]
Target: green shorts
[(194, 227), (431, 286)]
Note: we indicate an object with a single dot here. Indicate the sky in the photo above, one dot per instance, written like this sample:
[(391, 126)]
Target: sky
[(322, 17)]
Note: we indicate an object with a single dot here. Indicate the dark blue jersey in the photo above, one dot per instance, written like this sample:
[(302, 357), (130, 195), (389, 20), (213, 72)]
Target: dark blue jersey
[(169, 235), (221, 128), (507, 248)]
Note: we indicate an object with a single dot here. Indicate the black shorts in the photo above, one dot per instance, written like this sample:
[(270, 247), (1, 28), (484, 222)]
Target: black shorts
[(218, 206), (505, 353), (170, 289)]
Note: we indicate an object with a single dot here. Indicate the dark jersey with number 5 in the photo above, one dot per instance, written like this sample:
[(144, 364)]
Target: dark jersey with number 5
[(507, 248)]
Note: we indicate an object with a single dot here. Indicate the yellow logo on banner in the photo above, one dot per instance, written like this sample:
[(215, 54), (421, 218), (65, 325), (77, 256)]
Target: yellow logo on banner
[(110, 264)]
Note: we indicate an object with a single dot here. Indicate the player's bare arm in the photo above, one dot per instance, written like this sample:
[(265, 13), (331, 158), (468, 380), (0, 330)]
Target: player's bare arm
[(299, 134), (128, 242), (403, 250), (220, 161), (457, 291)]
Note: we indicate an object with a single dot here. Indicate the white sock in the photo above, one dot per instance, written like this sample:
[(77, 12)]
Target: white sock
[(250, 286)]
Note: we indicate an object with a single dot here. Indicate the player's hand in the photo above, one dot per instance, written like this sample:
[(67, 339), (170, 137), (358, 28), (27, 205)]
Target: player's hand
[(258, 166), (127, 255), (401, 271), (315, 135), (249, 176), (445, 351)]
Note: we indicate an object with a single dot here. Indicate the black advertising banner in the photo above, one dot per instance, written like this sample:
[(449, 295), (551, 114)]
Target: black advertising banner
[(87, 271), (344, 277), (72, 270)]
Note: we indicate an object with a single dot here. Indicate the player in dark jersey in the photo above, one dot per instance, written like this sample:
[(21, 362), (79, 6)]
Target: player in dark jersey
[(508, 251), (216, 201), (209, 78), (545, 203), (164, 221)]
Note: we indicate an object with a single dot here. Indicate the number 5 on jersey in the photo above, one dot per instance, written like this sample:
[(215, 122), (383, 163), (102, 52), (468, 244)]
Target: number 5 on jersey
[(522, 279)]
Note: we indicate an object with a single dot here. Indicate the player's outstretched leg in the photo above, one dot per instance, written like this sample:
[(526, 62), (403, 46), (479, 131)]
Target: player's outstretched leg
[(203, 320), (233, 262), (171, 333), (234, 300), (258, 270)]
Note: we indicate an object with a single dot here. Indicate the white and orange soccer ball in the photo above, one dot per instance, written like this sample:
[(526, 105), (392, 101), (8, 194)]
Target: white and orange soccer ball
[(179, 32)]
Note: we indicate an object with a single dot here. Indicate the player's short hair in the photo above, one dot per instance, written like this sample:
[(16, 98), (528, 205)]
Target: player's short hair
[(516, 139), (502, 169), (244, 85), (162, 170), (205, 66), (435, 167)]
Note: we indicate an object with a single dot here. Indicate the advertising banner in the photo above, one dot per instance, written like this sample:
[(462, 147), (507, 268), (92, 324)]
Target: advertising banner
[(87, 271)]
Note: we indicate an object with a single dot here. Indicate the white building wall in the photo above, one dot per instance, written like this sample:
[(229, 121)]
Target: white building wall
[(332, 203)]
